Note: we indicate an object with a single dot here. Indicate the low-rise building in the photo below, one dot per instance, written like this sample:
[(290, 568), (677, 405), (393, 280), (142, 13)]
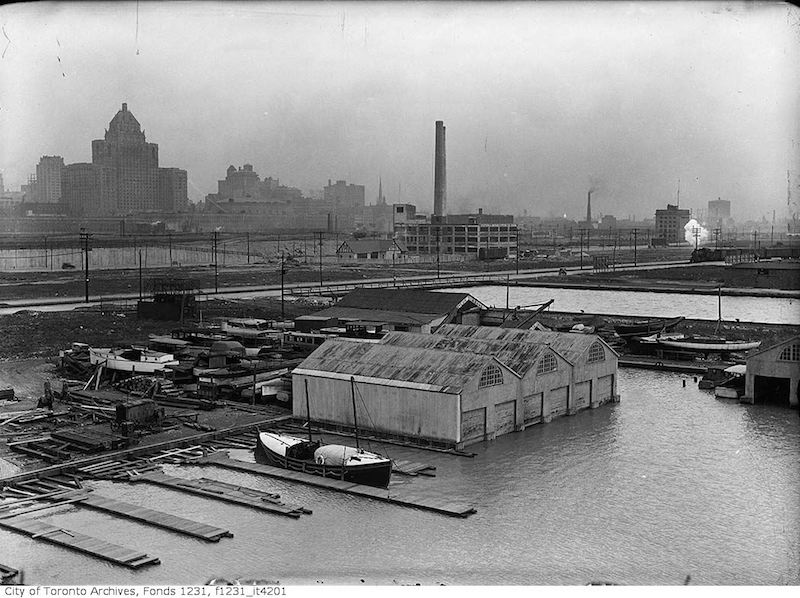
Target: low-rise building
[(411, 310), (773, 374), (670, 224), (453, 388), (371, 249)]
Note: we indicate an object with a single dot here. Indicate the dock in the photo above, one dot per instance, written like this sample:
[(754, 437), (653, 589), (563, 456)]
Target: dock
[(239, 495), (155, 518), (95, 547), (453, 509), (665, 365)]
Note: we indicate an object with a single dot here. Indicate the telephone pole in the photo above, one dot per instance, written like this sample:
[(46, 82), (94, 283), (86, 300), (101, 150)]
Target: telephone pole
[(320, 233), (216, 270), (86, 249), (283, 271), (635, 243)]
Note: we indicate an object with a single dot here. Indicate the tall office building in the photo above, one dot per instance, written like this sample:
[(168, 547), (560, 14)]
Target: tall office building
[(346, 205), (48, 179), (124, 176)]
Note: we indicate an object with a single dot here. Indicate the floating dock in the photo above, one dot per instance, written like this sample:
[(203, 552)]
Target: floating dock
[(160, 519), (247, 497), (40, 530), (452, 509)]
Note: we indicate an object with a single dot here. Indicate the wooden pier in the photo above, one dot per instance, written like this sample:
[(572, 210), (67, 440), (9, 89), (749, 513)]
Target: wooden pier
[(452, 509), (113, 553), (155, 518), (247, 497)]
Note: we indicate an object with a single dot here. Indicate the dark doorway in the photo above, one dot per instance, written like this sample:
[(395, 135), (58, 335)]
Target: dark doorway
[(771, 391)]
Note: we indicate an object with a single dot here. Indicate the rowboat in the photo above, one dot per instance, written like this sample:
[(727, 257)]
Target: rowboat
[(645, 327)]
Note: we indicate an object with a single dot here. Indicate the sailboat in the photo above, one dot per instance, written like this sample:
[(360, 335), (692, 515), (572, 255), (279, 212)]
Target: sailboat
[(329, 460), (702, 343)]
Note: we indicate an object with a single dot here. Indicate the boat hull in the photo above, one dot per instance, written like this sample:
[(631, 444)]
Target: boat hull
[(377, 474), (647, 327), (710, 345)]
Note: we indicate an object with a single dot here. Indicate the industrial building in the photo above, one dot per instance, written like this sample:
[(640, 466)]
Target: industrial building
[(461, 385), (410, 310), (670, 224), (773, 374)]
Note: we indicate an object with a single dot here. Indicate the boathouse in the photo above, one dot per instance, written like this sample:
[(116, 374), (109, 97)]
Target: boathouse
[(412, 310), (773, 374), (593, 372), (453, 387)]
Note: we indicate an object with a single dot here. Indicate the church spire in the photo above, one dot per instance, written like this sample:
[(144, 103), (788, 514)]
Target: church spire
[(381, 198)]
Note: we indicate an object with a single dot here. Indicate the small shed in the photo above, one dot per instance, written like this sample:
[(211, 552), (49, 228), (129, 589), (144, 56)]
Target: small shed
[(371, 249), (773, 374)]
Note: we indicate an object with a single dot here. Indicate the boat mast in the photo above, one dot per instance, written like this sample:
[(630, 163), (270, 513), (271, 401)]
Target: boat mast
[(308, 412), (353, 395), (719, 309)]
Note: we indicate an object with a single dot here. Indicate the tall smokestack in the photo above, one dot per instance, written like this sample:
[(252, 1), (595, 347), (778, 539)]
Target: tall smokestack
[(440, 173), (589, 207)]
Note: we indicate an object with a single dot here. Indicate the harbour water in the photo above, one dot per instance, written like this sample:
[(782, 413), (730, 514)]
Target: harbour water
[(769, 310), (667, 483)]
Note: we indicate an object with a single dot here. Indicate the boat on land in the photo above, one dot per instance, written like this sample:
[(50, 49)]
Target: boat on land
[(351, 464), (646, 327), (707, 344), (133, 359)]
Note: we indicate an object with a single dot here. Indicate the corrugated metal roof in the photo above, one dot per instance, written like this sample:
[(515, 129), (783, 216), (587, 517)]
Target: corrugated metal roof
[(448, 370), (517, 356), (373, 315), (404, 300), (572, 346)]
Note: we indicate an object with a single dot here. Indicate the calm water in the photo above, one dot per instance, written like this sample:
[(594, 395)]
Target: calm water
[(747, 309), (670, 482)]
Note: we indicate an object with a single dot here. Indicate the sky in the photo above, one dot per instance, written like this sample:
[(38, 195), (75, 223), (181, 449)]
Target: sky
[(542, 100)]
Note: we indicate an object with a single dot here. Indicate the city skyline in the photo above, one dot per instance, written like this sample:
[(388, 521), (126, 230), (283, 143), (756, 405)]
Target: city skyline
[(542, 102)]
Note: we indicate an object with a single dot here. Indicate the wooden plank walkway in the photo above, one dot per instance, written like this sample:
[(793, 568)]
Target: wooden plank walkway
[(113, 553), (453, 509), (160, 519), (248, 497)]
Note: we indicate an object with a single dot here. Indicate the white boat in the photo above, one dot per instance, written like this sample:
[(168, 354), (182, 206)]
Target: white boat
[(709, 343), (134, 359), (250, 329), (733, 387)]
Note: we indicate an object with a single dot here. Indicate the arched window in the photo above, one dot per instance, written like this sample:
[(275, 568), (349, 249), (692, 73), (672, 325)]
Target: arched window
[(596, 353), (546, 364), (491, 376), (790, 353)]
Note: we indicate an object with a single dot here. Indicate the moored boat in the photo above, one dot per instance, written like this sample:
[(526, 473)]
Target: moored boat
[(330, 460), (646, 327), (708, 343), (734, 386), (134, 359)]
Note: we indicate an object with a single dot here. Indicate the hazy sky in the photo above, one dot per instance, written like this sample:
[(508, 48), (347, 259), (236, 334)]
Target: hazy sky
[(540, 100)]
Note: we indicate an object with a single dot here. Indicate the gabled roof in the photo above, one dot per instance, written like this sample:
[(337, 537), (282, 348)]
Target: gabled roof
[(374, 315), (570, 345), (428, 369), (518, 357), (369, 246), (406, 300), (788, 341)]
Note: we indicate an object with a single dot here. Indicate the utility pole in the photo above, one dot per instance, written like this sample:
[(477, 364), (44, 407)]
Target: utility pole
[(517, 239), (248, 247), (635, 243), (696, 233), (716, 232), (581, 248), (85, 240), (614, 252), (320, 262), (170, 249), (140, 275), (216, 269), (283, 271)]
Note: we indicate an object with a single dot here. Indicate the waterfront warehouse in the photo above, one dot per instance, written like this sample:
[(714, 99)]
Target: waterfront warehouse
[(453, 389), (773, 374)]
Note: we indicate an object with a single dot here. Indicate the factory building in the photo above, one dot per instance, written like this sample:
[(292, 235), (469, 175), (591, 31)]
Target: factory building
[(773, 374), (452, 388)]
